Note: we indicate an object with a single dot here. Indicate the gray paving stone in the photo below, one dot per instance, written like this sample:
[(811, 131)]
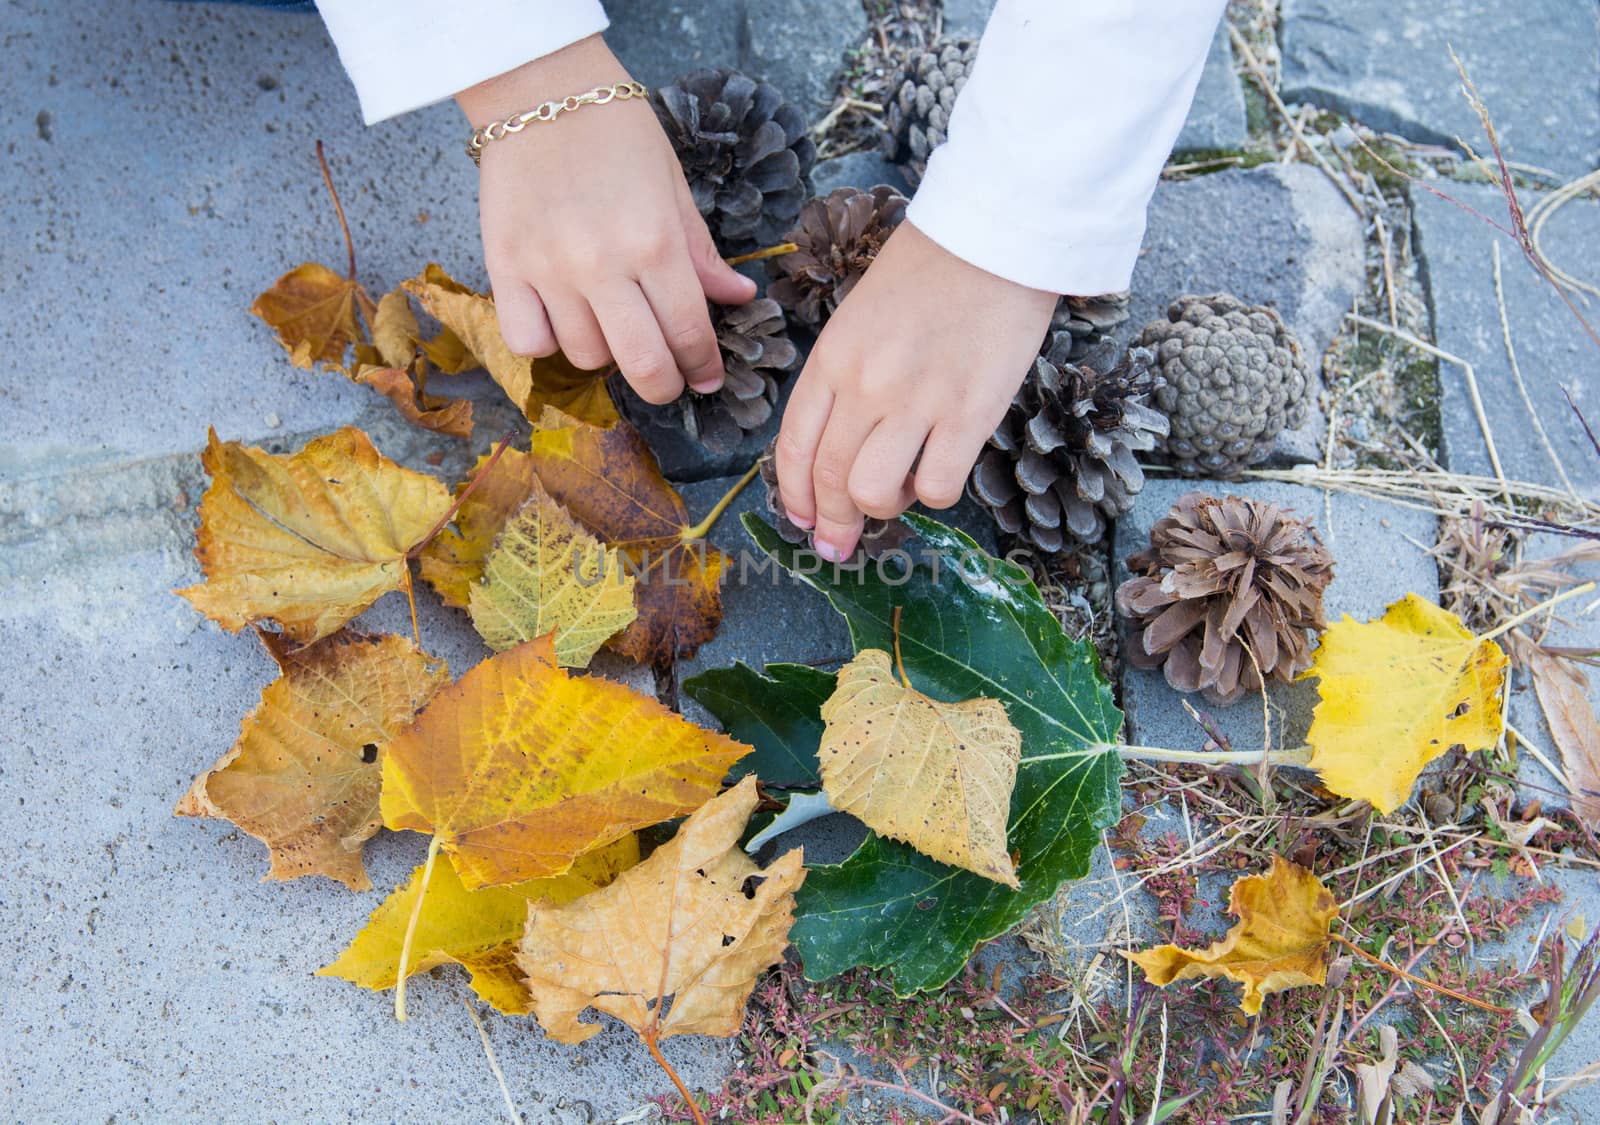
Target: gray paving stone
[(799, 46), (1374, 564), (1278, 235), (1387, 62), (864, 169), (658, 40), (966, 19), (1552, 350), (1216, 119)]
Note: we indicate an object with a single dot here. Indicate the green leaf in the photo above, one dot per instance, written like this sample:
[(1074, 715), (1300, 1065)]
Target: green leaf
[(970, 625), (778, 713)]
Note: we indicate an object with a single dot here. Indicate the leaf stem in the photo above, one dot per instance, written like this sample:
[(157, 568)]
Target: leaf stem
[(703, 528), (411, 600), (649, 1038), (899, 664), (411, 932), (777, 251), (1399, 972), (1548, 603), (338, 208), (1288, 756), (449, 515)]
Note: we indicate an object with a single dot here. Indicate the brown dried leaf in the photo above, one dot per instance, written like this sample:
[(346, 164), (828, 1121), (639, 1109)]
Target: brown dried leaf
[(1563, 693), (313, 310), (451, 416)]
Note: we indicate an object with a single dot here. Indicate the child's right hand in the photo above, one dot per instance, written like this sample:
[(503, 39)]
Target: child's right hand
[(592, 242)]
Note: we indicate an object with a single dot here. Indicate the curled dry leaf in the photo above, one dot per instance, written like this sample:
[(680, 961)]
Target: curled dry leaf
[(1564, 698), (450, 416), (935, 775), (453, 561), (1395, 694), (478, 930), (546, 575), (518, 768), (313, 311), (609, 481), (695, 923), (307, 539), (531, 383), (303, 777), (394, 330), (1279, 942)]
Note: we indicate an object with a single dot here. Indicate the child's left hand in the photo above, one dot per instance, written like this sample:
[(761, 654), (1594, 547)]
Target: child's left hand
[(923, 356)]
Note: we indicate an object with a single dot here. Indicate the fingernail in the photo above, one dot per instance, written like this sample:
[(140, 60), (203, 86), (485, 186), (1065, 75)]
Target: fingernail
[(829, 551), (804, 523), (710, 387)]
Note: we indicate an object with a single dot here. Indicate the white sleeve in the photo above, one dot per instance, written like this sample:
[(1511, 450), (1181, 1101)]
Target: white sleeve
[(405, 54), (1059, 136)]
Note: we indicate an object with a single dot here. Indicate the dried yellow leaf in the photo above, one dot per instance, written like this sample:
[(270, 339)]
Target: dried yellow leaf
[(936, 775), (453, 561), (1395, 694), (313, 310)]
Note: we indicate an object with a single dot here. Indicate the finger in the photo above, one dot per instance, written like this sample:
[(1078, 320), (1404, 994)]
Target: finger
[(838, 519), (880, 480), (947, 460), (680, 311), (636, 344), (804, 419), (524, 324), (718, 280), (577, 330)]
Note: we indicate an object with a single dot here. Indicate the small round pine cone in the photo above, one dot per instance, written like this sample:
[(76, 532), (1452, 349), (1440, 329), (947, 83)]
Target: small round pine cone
[(878, 537), (838, 236), (745, 151), (1063, 458), (1235, 379), (920, 100), (1223, 575)]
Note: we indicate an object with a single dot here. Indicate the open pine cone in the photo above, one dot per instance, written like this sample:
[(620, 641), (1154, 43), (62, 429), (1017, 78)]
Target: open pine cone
[(838, 237), (1062, 460), (745, 152), (920, 100), (1235, 379), (1220, 575), (878, 537), (1090, 321)]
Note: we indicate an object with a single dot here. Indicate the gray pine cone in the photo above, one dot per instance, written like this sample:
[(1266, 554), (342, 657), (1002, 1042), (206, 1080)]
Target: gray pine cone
[(838, 236), (1235, 379), (1063, 459), (745, 151), (1091, 320), (920, 100)]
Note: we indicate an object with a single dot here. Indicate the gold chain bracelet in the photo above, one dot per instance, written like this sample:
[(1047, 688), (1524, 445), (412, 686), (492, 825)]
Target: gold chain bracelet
[(549, 111)]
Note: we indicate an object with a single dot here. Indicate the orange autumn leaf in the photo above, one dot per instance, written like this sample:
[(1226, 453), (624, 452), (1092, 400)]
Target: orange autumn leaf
[(518, 768), (1279, 942), (453, 561), (609, 481), (307, 539), (674, 945), (531, 383), (313, 311), (303, 777), (451, 416)]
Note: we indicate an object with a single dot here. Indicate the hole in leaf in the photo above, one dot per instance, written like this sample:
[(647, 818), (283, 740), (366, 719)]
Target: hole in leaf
[(748, 887), (369, 753)]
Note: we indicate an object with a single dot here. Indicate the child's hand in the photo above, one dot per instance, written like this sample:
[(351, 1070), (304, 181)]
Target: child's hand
[(924, 354), (591, 240)]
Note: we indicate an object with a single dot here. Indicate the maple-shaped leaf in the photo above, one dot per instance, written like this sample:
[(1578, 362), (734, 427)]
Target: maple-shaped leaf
[(453, 560), (530, 383), (936, 775), (478, 930), (1279, 942), (308, 539), (546, 575), (971, 625), (609, 481), (674, 945), (313, 310), (778, 712), (450, 416), (303, 777), (518, 768), (1395, 694)]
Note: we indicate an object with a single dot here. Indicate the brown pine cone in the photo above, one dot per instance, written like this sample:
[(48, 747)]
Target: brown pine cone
[(838, 237), (1221, 575)]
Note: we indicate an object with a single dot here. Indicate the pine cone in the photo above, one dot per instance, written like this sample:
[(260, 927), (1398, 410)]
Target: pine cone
[(756, 350), (878, 537), (1235, 379), (1063, 460), (1090, 320), (1220, 575), (920, 100), (745, 152), (839, 235)]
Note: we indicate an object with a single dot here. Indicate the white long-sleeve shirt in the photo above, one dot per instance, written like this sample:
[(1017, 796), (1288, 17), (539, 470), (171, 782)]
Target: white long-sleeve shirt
[(1055, 143)]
